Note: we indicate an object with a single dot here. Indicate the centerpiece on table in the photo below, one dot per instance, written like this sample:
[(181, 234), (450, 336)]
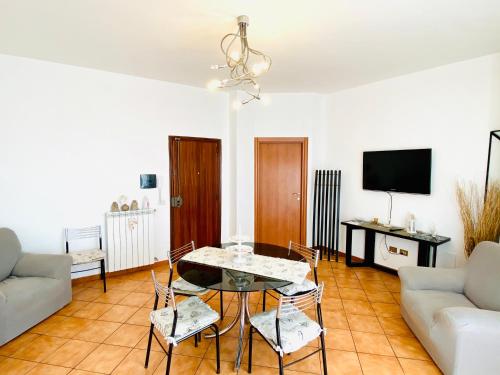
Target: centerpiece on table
[(241, 252)]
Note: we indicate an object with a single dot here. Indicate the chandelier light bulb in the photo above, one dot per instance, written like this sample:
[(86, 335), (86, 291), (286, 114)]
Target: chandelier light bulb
[(257, 69), (235, 55), (256, 86), (214, 84), (214, 66)]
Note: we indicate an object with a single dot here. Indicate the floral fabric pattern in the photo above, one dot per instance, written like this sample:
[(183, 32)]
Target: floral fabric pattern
[(182, 286), (277, 268), (294, 288), (193, 315), (87, 256), (296, 330)]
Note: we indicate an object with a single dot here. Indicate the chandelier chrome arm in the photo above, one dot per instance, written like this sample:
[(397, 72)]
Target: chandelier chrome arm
[(244, 63)]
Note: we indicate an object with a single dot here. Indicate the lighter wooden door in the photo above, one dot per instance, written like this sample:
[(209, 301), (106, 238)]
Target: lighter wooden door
[(280, 190)]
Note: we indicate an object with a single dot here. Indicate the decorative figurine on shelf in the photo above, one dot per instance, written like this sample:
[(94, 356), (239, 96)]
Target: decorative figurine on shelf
[(114, 207), (122, 201), (134, 206)]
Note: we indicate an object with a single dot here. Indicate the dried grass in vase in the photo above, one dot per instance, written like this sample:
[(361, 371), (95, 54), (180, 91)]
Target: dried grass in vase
[(480, 217)]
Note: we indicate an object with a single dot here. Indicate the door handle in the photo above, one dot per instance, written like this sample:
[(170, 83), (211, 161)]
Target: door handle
[(296, 196), (176, 201)]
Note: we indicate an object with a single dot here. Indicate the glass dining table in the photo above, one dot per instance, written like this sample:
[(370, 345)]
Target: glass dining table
[(242, 283)]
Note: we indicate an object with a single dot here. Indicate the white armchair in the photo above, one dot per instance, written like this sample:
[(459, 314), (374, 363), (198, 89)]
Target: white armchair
[(455, 313)]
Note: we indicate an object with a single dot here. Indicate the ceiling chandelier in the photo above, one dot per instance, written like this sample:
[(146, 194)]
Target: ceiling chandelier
[(244, 63)]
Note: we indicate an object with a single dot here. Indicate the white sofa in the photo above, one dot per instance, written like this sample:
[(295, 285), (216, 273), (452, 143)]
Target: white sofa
[(455, 313)]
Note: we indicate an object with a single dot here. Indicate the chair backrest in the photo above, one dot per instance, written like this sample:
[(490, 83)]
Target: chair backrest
[(482, 278), (164, 292), (310, 255), (289, 305), (73, 234), (175, 255), (10, 251)]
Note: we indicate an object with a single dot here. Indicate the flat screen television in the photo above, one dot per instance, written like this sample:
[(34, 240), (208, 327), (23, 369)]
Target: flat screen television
[(403, 171)]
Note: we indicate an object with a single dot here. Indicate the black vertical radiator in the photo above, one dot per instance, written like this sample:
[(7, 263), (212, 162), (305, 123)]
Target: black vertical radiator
[(326, 212)]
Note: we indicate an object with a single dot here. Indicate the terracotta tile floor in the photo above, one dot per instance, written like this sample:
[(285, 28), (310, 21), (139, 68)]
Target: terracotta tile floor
[(101, 333)]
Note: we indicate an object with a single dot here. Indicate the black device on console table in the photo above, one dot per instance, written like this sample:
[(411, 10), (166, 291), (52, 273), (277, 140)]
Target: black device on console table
[(426, 243)]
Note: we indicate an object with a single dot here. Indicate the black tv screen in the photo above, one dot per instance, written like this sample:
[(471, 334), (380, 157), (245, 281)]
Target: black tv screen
[(404, 171)]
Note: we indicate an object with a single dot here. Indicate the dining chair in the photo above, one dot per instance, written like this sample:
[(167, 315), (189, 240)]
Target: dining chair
[(89, 256), (288, 328), (311, 256), (182, 287), (178, 322)]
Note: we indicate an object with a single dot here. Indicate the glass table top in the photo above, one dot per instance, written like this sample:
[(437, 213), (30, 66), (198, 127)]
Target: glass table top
[(215, 278)]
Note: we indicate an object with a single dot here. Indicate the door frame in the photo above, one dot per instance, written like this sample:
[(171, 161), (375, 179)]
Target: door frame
[(303, 199), (173, 166)]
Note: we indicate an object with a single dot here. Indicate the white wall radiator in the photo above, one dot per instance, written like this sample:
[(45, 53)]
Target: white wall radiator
[(130, 236)]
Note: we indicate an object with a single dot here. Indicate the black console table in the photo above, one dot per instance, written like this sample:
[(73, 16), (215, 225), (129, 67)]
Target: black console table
[(425, 243)]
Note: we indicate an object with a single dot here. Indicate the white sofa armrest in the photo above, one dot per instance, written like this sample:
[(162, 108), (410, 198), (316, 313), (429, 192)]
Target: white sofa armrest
[(470, 319), (469, 339), (445, 279)]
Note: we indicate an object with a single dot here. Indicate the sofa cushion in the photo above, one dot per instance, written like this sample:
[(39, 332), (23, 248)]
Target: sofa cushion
[(23, 291), (482, 279), (10, 251), (425, 303)]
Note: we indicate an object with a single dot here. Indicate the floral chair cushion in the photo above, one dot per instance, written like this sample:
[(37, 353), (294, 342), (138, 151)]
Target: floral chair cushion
[(296, 330), (193, 315), (293, 289), (87, 256), (184, 287)]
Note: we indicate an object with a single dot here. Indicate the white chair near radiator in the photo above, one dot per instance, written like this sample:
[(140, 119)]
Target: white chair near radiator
[(89, 256)]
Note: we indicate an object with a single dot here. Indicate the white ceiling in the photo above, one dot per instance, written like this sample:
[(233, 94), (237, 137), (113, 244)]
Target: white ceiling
[(316, 46)]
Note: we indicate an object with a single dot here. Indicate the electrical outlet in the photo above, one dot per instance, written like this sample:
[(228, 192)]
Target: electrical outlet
[(393, 249), (403, 252)]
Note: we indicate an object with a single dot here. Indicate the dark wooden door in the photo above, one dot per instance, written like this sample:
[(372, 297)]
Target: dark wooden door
[(280, 190), (195, 177)]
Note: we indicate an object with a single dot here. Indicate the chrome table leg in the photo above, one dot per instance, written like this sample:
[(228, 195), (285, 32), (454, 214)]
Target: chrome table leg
[(243, 315), (230, 325)]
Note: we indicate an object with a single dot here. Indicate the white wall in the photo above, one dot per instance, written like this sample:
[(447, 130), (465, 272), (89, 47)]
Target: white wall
[(449, 109), (287, 115), (73, 139)]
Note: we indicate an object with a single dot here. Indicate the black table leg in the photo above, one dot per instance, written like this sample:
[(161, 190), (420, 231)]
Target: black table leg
[(369, 248), (423, 259), (434, 254), (348, 246)]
